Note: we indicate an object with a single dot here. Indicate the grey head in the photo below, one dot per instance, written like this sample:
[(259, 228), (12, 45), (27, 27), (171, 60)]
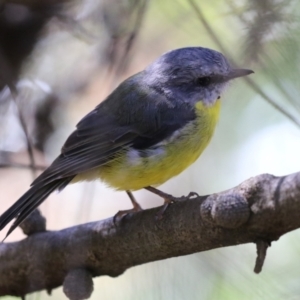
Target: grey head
[(192, 74)]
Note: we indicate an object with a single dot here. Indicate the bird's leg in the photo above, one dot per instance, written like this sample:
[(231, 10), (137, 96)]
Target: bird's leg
[(168, 199), (136, 208), (135, 204)]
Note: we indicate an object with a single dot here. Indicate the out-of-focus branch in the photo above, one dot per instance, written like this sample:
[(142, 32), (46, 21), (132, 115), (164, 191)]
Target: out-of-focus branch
[(22, 166), (37, 3), (259, 210), (250, 82)]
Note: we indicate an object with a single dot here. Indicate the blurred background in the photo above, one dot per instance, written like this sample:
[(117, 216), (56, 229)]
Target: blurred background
[(60, 58)]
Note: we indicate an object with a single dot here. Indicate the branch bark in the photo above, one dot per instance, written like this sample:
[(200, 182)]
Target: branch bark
[(259, 210)]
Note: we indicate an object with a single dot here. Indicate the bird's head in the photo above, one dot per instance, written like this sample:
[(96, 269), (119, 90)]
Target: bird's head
[(192, 74)]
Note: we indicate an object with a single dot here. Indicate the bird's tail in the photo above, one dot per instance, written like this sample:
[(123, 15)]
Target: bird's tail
[(29, 202)]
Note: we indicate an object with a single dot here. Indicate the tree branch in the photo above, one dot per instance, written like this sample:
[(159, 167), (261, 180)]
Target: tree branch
[(259, 210)]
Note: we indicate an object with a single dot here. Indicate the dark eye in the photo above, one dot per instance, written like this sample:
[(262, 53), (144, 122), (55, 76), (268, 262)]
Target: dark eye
[(204, 81)]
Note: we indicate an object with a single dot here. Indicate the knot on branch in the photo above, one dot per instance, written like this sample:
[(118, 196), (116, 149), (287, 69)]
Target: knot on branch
[(34, 223), (228, 211), (261, 249), (78, 284)]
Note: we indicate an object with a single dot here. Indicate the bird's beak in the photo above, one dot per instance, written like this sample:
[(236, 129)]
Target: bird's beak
[(235, 73)]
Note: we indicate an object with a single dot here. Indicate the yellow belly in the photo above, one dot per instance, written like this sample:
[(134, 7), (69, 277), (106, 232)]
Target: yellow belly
[(131, 171)]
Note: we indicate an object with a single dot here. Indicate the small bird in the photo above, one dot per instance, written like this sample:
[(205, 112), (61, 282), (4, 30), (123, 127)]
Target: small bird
[(149, 129)]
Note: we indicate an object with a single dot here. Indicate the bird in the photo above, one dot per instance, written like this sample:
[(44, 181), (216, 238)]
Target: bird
[(153, 126)]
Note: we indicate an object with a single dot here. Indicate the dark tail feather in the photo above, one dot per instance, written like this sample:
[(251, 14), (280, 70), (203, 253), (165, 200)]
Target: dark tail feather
[(29, 202)]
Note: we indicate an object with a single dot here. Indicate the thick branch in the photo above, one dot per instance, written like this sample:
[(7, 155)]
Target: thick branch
[(259, 210)]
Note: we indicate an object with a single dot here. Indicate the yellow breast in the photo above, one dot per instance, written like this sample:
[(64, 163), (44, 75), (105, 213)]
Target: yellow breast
[(131, 171)]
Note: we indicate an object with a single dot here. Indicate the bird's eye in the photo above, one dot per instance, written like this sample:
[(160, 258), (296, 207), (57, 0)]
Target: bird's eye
[(204, 81)]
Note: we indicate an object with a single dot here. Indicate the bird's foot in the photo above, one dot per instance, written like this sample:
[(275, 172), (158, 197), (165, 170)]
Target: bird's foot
[(121, 213), (168, 199)]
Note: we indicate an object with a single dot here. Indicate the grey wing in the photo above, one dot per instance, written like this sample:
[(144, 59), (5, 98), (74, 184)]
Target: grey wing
[(95, 141)]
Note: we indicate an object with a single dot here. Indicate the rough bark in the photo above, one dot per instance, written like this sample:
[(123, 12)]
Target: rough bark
[(259, 211)]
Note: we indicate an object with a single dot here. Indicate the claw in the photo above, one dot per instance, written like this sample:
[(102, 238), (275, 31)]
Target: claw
[(121, 213), (192, 195), (160, 213)]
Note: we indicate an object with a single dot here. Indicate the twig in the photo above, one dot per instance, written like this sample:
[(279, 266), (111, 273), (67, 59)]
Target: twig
[(24, 127), (254, 86), (22, 166)]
